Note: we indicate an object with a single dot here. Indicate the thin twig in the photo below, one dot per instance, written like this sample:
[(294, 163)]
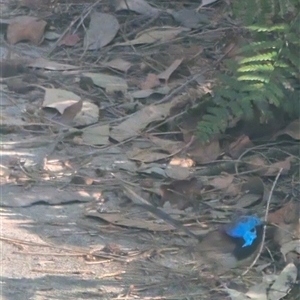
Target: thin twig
[(29, 243), (265, 226), (181, 87), (55, 271), (82, 16)]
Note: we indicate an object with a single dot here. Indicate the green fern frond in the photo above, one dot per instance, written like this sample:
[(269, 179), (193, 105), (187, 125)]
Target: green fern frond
[(292, 58), (269, 72), (260, 57), (254, 77), (259, 46), (267, 67), (237, 109), (263, 28), (292, 36), (271, 97), (228, 94), (278, 92), (281, 64)]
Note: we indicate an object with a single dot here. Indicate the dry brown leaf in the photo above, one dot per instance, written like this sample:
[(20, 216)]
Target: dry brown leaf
[(153, 35), (232, 191), (102, 29), (258, 164), (287, 220), (17, 196), (204, 153), (180, 193), (221, 182), (163, 90), (108, 82), (51, 36), (70, 112), (239, 146), (138, 121), (139, 6), (59, 99), (247, 200), (69, 40), (49, 65), (177, 172), (150, 82), (254, 185), (183, 162), (292, 246), (287, 214), (119, 219), (258, 291), (207, 2), (293, 130), (246, 194), (283, 283), (285, 165), (145, 155), (26, 29), (96, 135), (190, 18), (167, 145), (89, 114), (165, 75), (118, 64), (251, 193)]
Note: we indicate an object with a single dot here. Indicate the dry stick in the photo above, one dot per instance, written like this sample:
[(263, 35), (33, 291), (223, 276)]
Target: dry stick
[(55, 271), (178, 89), (265, 226), (62, 36), (251, 149), (46, 254), (29, 243), (158, 213), (84, 14)]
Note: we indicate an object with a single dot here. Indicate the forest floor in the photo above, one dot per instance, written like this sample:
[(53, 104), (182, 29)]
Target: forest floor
[(95, 100)]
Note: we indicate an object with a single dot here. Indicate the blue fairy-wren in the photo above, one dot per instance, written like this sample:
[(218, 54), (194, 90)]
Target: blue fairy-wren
[(229, 246), (233, 244)]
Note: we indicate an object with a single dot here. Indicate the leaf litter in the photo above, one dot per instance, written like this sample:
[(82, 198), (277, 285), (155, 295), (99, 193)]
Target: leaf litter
[(79, 160)]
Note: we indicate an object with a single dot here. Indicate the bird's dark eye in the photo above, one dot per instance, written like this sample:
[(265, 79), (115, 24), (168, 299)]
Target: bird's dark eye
[(253, 230)]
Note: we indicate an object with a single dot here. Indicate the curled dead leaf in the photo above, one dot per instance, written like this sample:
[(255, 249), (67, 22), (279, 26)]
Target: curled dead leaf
[(287, 223), (70, 40), (71, 111), (180, 193), (165, 75), (204, 153), (177, 172), (292, 130), (239, 146), (283, 283), (285, 165), (26, 29), (150, 82), (221, 182)]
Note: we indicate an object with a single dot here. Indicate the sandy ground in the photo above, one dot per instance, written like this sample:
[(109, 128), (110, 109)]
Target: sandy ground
[(39, 272)]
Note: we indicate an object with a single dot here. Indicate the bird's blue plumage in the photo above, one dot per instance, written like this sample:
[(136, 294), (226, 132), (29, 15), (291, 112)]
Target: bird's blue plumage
[(245, 228)]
